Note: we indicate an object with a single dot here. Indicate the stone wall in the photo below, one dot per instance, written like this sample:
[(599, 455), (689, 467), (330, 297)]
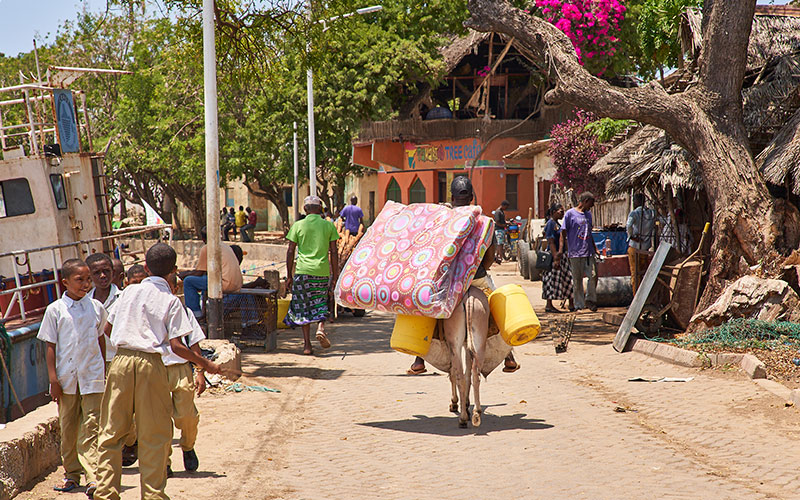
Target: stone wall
[(29, 448)]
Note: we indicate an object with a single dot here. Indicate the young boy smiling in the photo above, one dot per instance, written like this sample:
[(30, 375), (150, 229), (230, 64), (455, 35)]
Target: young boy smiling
[(72, 328)]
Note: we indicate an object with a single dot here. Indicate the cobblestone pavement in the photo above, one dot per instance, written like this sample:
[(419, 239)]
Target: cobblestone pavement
[(350, 424)]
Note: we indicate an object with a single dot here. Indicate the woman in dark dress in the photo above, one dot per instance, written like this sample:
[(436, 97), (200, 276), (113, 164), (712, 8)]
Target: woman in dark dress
[(556, 283)]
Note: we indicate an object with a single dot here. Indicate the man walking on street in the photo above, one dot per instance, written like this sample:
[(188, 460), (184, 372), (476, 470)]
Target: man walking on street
[(582, 251), (353, 216), (313, 239), (640, 238)]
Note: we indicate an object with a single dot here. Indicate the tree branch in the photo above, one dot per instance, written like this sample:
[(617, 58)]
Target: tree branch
[(722, 70), (542, 42)]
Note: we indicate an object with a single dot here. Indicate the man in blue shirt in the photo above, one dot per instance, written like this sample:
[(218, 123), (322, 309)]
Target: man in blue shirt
[(581, 251), (353, 216)]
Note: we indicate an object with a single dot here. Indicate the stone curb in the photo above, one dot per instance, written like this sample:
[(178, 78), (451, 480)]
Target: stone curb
[(24, 458), (750, 364)]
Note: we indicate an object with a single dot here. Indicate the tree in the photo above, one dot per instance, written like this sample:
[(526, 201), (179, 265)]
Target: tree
[(706, 119), (575, 148), (591, 26), (659, 30)]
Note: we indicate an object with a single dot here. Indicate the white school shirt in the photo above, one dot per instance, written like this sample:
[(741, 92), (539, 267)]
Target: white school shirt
[(196, 336), (113, 294), (74, 326), (146, 316)]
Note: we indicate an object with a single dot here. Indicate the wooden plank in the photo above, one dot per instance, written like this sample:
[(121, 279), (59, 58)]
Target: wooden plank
[(635, 309)]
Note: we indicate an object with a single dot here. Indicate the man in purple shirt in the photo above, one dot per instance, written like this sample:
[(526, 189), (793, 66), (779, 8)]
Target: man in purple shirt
[(353, 216), (582, 251)]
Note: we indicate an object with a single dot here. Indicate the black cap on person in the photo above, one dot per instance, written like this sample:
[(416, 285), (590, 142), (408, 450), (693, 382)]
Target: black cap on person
[(461, 186)]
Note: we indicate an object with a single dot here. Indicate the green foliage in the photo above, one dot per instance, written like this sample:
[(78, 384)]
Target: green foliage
[(658, 29), (606, 128), (364, 69)]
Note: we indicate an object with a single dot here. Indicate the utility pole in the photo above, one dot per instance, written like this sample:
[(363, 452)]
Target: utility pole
[(312, 145), (296, 188), (214, 267)]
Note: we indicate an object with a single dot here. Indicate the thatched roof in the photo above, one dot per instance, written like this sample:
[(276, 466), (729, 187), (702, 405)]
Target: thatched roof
[(461, 47), (530, 150), (771, 94), (780, 160), (648, 156), (775, 32)]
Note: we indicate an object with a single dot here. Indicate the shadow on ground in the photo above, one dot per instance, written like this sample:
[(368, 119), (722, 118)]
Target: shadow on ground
[(448, 426)]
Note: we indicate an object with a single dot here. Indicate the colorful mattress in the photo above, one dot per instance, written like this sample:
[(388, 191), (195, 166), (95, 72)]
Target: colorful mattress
[(417, 259)]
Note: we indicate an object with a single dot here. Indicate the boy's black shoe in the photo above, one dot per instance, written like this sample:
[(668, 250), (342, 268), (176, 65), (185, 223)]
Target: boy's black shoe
[(190, 462), (129, 455)]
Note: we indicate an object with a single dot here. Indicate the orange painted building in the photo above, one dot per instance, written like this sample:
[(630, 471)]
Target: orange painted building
[(413, 172), (467, 125)]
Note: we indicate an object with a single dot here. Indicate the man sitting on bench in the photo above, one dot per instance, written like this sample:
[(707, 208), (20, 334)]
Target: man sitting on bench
[(195, 283), (245, 303)]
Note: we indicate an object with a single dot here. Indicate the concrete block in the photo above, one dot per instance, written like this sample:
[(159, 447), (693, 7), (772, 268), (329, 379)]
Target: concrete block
[(29, 447), (753, 367), (613, 318), (668, 353), (229, 357), (775, 388), (794, 397)]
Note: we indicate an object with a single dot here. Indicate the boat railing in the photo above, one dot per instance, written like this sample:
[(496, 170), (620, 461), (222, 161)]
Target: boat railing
[(21, 258)]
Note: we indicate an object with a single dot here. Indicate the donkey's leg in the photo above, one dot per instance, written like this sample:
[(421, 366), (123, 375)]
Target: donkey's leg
[(455, 335), (454, 387), (477, 312)]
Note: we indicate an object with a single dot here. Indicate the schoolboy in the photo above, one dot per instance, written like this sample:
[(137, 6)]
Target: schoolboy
[(182, 386), (72, 328), (145, 323), (136, 274), (101, 269), (119, 273)]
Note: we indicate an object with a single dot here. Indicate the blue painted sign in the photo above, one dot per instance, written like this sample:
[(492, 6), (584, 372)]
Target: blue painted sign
[(67, 123)]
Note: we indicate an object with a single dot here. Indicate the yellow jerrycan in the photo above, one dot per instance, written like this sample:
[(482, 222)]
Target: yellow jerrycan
[(283, 308), (513, 313), (412, 334)]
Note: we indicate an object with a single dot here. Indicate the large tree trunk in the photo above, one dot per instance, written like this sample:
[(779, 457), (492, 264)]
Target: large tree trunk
[(748, 224)]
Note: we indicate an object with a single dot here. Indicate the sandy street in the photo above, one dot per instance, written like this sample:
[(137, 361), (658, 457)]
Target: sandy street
[(350, 424)]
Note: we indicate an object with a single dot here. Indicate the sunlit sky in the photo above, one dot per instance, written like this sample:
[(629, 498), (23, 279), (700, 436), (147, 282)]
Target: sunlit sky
[(23, 20)]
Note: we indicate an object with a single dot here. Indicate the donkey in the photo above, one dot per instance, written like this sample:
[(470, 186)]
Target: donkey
[(467, 352)]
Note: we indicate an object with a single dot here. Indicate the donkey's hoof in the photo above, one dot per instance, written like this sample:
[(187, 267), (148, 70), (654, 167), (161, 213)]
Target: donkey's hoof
[(476, 419), (454, 407), (462, 424)]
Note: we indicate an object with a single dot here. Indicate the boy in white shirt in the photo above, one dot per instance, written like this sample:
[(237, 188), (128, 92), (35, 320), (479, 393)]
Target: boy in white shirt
[(146, 322), (105, 291), (182, 387), (72, 327)]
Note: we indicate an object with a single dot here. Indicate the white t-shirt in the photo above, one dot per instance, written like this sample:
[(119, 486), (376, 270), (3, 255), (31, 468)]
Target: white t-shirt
[(74, 326), (146, 316), (113, 294), (196, 336)]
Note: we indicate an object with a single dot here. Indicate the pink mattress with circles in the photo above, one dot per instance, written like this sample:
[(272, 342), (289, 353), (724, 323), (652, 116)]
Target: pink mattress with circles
[(417, 259)]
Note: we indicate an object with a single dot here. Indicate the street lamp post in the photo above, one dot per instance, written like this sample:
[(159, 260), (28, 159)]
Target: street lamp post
[(312, 146)]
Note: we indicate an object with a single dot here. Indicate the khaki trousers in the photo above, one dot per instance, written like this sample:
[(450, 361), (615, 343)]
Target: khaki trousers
[(184, 412), (644, 261), (136, 380), (78, 417), (130, 439)]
